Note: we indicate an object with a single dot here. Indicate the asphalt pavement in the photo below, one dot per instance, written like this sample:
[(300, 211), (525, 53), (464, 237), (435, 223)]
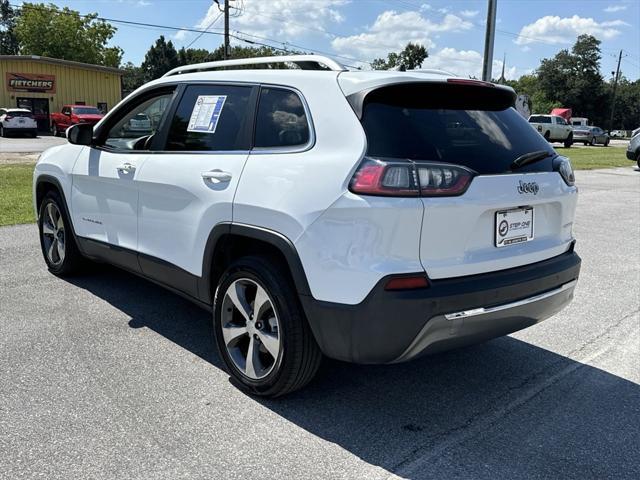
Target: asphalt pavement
[(106, 376), (22, 144)]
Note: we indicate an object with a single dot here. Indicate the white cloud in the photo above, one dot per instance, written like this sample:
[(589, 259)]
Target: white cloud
[(553, 29), (466, 63), (281, 19), (391, 32), (181, 35), (469, 13), (615, 8)]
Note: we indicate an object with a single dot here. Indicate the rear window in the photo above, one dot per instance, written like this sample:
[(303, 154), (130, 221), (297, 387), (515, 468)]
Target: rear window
[(475, 127), (20, 114), (86, 111), (539, 119)]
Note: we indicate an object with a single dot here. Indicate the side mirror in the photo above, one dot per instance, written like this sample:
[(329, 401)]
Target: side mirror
[(80, 134)]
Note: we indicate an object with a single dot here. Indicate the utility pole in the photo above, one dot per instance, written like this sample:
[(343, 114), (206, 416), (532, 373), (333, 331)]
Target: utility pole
[(488, 40), (615, 87), (227, 50)]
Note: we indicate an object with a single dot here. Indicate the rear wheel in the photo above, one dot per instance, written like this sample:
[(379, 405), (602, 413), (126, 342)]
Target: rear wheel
[(58, 245), (569, 141), (3, 133), (593, 141), (606, 142), (547, 136), (54, 130), (260, 328)]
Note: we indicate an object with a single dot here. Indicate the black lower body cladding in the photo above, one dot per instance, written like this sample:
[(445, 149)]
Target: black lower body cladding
[(392, 326)]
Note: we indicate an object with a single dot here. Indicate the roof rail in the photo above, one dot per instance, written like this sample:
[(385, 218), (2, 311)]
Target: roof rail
[(305, 62)]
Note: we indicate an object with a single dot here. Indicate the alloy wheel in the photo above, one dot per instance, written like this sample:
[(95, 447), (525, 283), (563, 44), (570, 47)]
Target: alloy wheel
[(250, 328), (53, 234)]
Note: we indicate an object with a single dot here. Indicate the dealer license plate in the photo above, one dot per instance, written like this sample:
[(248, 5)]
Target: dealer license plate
[(514, 226)]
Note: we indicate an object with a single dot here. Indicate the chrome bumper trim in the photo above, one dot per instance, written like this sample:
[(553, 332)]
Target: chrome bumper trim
[(484, 311)]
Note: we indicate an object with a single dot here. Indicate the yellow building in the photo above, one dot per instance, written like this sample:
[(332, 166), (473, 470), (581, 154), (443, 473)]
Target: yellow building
[(44, 85)]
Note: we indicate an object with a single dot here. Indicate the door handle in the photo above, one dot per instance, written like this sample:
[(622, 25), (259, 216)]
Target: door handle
[(126, 168), (217, 176)]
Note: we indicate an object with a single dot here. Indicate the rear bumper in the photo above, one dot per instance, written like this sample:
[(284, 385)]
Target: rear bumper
[(388, 327), (20, 130)]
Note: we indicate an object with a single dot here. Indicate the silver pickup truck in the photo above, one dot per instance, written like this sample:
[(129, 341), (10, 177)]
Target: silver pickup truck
[(553, 128)]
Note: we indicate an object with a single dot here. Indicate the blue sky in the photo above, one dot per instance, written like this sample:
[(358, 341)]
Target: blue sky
[(360, 30)]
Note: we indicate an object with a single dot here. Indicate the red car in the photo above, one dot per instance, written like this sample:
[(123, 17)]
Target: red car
[(72, 114)]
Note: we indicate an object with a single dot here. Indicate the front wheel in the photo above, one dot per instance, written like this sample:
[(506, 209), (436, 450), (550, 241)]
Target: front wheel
[(54, 130), (606, 142), (593, 141), (58, 245), (261, 332), (569, 141)]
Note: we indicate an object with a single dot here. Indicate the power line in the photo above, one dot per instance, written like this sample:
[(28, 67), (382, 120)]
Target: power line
[(206, 29)]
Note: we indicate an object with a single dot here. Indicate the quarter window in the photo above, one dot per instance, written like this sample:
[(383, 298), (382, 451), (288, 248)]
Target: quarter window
[(281, 120), (212, 118)]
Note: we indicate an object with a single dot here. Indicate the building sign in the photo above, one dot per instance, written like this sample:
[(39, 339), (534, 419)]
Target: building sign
[(31, 82)]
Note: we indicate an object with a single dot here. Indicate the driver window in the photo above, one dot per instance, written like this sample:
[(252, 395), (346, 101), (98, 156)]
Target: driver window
[(136, 128)]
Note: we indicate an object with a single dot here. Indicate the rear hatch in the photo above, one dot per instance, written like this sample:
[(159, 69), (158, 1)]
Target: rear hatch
[(19, 119), (459, 140)]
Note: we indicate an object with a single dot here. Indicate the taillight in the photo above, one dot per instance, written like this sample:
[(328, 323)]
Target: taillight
[(8, 117), (562, 165), (410, 179)]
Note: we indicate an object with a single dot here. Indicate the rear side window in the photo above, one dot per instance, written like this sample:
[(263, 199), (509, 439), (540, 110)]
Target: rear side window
[(475, 127), (281, 120), (539, 119), (212, 118)]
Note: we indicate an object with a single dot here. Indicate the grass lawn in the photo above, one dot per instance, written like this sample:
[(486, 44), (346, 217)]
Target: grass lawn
[(595, 157), (15, 194)]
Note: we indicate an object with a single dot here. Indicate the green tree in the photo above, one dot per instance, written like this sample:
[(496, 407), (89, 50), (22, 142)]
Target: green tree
[(49, 31), (159, 59), (408, 59), (132, 77), (627, 112), (573, 79), (8, 40), (194, 55)]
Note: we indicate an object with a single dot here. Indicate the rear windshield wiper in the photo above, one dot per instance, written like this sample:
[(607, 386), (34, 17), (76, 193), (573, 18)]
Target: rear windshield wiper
[(530, 157)]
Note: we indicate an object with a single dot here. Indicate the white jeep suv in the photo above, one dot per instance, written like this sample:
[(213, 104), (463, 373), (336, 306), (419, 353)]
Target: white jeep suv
[(368, 216)]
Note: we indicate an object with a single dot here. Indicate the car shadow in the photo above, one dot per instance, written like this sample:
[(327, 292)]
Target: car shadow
[(502, 409)]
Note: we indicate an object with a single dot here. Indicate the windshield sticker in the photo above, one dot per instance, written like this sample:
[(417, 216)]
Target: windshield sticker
[(206, 113)]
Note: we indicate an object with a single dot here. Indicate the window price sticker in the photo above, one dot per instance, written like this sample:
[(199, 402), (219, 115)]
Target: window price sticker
[(206, 113)]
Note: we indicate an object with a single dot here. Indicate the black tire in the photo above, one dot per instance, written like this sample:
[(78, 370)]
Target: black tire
[(298, 357), (569, 141), (54, 130), (547, 136), (72, 260), (593, 141), (2, 132), (606, 142), (585, 143), (638, 159)]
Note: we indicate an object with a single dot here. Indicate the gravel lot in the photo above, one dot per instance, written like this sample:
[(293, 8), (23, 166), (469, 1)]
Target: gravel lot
[(108, 376), (29, 145)]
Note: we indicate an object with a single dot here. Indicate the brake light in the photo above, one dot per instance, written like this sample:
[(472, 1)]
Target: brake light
[(8, 117), (410, 179), (470, 81), (407, 283)]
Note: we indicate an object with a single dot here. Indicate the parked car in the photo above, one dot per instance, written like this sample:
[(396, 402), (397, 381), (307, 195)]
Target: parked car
[(17, 121), (618, 134), (590, 136), (553, 128), (635, 132), (72, 115), (139, 125), (579, 121), (633, 150), (275, 201)]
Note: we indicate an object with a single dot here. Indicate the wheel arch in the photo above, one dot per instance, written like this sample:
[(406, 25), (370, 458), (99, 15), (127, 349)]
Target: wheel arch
[(44, 184), (228, 241)]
